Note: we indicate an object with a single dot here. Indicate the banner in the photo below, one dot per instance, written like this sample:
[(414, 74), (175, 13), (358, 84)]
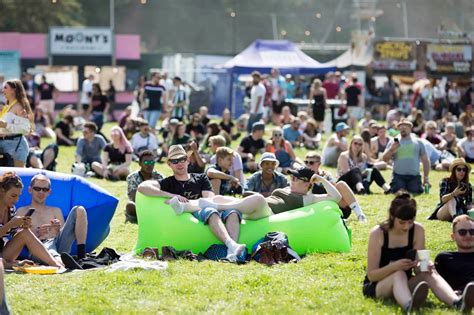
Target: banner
[(393, 55), (10, 64), (77, 41), (449, 58)]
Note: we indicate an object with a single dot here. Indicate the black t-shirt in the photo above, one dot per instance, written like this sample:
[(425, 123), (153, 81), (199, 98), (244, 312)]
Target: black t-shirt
[(154, 92), (352, 93), (99, 102), (66, 131), (205, 120), (115, 156), (251, 146), (227, 127), (46, 91), (183, 140), (456, 268), (198, 129), (191, 189)]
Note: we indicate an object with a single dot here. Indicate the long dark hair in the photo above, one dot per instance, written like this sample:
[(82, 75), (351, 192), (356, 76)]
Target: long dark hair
[(452, 180), (20, 94), (10, 180), (97, 85), (402, 207)]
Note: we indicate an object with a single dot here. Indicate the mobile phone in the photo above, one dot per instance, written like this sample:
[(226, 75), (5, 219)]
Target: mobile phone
[(463, 186), (30, 212), (411, 254), (395, 139)]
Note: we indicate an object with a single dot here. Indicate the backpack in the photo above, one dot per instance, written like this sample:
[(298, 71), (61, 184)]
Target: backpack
[(273, 249)]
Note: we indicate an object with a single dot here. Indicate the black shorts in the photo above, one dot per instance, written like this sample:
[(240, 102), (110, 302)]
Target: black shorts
[(369, 288)]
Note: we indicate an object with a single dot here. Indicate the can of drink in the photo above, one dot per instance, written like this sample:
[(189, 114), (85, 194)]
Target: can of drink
[(427, 188)]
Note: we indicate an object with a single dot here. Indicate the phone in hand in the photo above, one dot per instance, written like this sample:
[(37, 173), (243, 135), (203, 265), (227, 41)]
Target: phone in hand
[(396, 140), (30, 212), (463, 186), (411, 254)]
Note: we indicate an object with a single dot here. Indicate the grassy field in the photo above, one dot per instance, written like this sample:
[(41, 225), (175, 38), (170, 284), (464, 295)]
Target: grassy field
[(320, 283)]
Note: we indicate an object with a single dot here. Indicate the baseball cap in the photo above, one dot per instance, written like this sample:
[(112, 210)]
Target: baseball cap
[(268, 156), (176, 152), (174, 121), (341, 126), (258, 126), (303, 173)]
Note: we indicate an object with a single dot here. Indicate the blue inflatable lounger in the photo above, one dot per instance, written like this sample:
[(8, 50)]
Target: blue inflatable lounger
[(68, 191)]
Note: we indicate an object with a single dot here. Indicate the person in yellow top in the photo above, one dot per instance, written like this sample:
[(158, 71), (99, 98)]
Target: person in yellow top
[(16, 119)]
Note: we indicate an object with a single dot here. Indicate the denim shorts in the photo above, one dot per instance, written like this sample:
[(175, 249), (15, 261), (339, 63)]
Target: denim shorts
[(17, 148), (203, 215)]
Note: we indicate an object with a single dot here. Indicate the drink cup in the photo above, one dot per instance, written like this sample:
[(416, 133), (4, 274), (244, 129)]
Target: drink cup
[(471, 213), (424, 258)]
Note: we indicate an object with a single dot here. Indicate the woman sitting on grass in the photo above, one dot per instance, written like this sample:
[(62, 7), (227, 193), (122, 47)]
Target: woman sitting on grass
[(352, 168), (15, 230), (255, 207), (455, 192), (391, 260), (283, 151), (116, 158)]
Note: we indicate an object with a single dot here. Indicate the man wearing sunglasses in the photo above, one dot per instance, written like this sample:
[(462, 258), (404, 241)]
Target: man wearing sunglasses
[(47, 222), (147, 171), (183, 187), (457, 268)]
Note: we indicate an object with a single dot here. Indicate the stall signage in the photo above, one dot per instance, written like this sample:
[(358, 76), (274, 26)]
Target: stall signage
[(393, 55), (91, 41), (449, 58)]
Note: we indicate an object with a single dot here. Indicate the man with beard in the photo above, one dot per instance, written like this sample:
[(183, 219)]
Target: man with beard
[(267, 179), (406, 152), (457, 268)]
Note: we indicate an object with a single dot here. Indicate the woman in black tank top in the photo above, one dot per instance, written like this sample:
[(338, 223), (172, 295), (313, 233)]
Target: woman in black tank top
[(392, 266)]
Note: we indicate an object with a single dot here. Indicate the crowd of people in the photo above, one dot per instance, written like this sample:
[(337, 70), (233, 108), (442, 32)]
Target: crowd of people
[(208, 173)]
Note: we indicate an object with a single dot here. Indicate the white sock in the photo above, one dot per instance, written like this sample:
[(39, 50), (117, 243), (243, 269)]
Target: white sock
[(234, 249), (356, 208), (359, 186), (386, 187)]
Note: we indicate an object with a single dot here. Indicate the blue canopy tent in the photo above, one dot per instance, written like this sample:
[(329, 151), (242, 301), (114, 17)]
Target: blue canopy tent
[(263, 56)]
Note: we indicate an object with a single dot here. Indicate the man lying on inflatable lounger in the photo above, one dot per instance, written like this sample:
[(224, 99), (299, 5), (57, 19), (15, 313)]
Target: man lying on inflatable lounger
[(48, 222), (256, 206), (185, 187)]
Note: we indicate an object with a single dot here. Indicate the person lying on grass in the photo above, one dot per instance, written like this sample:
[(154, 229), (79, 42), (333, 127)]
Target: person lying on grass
[(391, 261), (255, 207), (14, 229), (48, 224)]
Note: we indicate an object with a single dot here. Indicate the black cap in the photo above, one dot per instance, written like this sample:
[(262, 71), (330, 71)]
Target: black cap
[(258, 126), (303, 173)]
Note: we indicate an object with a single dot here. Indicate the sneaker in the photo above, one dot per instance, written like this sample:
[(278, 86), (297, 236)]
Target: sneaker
[(362, 218), (418, 296), (150, 253), (467, 298), (90, 174)]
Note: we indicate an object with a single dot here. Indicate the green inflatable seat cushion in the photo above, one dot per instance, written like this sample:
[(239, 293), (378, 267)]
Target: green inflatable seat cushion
[(314, 228)]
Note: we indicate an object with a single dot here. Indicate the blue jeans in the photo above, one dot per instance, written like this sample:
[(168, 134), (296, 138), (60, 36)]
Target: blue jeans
[(411, 183), (17, 148), (253, 119), (63, 241), (152, 117), (98, 119), (203, 215)]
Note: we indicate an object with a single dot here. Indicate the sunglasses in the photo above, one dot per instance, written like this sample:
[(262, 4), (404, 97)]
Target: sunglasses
[(358, 143), (43, 189), (461, 169), (303, 179), (177, 161), (311, 162), (463, 232), (277, 135), (151, 162)]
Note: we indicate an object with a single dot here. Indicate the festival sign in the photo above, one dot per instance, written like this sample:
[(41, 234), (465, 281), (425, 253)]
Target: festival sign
[(78, 41), (394, 55), (449, 58)]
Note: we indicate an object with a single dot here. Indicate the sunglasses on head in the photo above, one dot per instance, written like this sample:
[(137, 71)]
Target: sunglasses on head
[(151, 162), (38, 189), (177, 161), (463, 232), (461, 169)]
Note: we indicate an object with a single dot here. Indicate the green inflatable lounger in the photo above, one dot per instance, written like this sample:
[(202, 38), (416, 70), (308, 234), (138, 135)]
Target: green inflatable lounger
[(314, 228)]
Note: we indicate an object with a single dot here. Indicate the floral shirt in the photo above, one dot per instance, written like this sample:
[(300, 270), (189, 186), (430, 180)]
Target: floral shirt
[(135, 179), (8, 236)]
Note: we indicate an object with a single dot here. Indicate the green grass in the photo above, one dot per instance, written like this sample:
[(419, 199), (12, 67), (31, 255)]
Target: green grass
[(320, 283)]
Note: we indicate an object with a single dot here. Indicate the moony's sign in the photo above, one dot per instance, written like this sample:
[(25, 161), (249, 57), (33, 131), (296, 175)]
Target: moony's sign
[(95, 41)]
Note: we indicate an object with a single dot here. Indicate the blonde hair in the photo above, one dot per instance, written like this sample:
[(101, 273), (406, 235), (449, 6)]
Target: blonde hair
[(223, 152)]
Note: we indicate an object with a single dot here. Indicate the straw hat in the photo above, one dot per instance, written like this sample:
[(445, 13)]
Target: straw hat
[(405, 122), (458, 162)]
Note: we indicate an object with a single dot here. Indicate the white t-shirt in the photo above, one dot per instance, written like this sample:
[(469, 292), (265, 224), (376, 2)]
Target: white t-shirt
[(86, 89), (257, 90), (468, 147), (138, 141)]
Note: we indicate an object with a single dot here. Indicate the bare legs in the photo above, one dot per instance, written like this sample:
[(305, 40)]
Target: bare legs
[(27, 238), (447, 211), (81, 225)]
